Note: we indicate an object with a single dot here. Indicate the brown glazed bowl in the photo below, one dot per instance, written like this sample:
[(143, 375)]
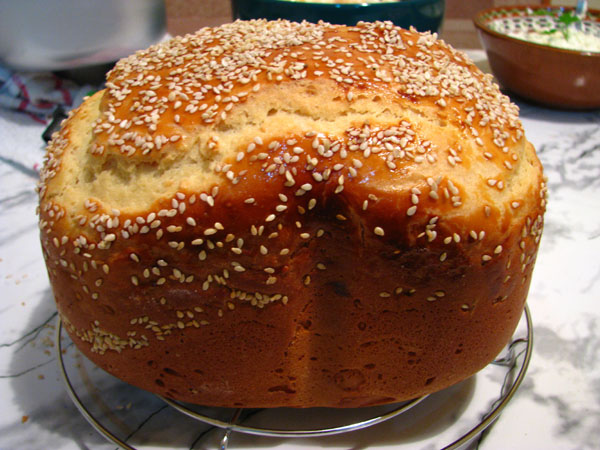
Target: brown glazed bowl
[(547, 75)]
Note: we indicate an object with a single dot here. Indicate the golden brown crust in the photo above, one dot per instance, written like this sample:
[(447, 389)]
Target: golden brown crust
[(279, 214)]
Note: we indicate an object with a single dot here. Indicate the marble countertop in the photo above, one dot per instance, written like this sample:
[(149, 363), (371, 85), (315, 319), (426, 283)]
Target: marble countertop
[(556, 407)]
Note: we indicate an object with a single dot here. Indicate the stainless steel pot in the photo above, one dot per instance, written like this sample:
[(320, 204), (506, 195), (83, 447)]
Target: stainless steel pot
[(69, 34)]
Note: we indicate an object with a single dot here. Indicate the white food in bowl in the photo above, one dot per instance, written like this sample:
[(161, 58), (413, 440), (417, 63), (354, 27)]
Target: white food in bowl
[(586, 39)]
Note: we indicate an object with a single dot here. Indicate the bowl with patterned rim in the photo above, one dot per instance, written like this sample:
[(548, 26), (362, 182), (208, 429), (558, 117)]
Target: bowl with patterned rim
[(424, 15), (544, 54)]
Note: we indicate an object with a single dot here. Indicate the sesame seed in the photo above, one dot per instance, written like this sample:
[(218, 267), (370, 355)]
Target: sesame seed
[(379, 231), (290, 51)]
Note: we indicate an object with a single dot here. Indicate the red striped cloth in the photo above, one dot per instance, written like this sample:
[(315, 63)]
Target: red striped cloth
[(39, 93)]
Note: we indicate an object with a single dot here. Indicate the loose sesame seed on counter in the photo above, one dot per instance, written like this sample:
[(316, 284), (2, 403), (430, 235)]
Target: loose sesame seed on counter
[(287, 193)]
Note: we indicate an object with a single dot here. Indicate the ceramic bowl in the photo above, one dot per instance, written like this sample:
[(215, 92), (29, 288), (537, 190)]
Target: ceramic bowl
[(424, 15), (547, 75)]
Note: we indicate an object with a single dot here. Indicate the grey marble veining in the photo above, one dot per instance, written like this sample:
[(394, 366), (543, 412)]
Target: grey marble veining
[(556, 407)]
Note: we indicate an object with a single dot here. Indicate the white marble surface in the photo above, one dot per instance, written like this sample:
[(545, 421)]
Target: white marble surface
[(557, 406)]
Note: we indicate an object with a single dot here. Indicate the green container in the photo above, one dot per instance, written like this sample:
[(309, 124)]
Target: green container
[(424, 15)]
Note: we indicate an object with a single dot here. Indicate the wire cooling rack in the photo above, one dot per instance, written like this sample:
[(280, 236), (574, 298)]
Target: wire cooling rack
[(515, 358)]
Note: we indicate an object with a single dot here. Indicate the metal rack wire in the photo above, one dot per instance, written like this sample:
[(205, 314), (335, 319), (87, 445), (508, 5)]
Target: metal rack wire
[(233, 425)]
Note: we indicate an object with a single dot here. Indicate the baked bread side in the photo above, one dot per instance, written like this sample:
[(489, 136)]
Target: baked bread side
[(280, 214)]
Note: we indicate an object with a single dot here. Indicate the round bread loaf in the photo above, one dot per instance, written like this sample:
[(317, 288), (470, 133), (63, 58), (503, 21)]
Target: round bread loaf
[(275, 214)]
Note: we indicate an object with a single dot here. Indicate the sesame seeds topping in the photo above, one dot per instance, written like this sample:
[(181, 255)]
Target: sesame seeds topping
[(204, 78), (219, 64)]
